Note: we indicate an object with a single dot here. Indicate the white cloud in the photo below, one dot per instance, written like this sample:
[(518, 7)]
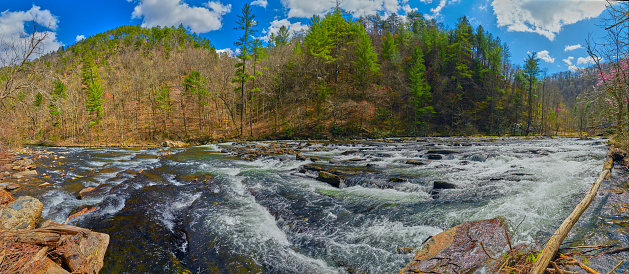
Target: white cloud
[(14, 32), (573, 68), (435, 12), (277, 24), (305, 9), (175, 12), (544, 55), (261, 3), (407, 9), (545, 18), (569, 60), (573, 47), (587, 60), (79, 38), (229, 52)]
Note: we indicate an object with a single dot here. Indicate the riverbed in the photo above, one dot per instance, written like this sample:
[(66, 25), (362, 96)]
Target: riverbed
[(204, 210)]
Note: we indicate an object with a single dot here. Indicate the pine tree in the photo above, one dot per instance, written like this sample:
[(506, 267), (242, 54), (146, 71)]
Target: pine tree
[(247, 24), (420, 89), (531, 70)]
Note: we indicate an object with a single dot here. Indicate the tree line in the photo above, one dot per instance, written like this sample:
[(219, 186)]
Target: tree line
[(343, 77)]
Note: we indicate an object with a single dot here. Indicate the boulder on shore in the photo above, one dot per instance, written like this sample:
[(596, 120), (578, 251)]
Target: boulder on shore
[(23, 213), (5, 198), (459, 249)]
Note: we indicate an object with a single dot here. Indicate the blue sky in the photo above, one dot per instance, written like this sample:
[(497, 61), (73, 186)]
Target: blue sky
[(553, 28)]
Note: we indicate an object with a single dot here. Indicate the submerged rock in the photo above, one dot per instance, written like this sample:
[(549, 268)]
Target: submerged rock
[(459, 250), (23, 213), (443, 185), (434, 156)]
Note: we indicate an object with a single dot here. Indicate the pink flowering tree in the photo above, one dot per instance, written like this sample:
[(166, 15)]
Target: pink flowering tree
[(613, 85)]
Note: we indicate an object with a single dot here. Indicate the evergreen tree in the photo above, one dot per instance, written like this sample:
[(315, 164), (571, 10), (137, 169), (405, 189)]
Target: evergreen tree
[(366, 60), (531, 70), (420, 89), (247, 24)]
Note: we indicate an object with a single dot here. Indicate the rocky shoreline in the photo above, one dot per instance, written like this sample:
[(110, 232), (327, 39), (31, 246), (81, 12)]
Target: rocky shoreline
[(32, 245)]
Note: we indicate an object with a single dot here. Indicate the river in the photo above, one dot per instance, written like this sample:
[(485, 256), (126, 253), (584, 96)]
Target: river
[(203, 210)]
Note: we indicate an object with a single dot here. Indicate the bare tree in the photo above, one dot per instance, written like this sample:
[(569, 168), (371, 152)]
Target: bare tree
[(610, 58), (15, 53)]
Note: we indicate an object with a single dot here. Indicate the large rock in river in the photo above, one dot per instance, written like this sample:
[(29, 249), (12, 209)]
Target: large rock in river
[(332, 179), (23, 213), (459, 250)]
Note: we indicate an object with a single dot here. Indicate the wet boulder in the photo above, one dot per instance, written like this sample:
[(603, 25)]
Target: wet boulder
[(459, 249), (300, 157), (397, 180), (12, 186), (23, 213), (85, 192), (434, 156), (443, 185), (173, 144), (26, 173), (415, 162), (80, 211), (332, 179)]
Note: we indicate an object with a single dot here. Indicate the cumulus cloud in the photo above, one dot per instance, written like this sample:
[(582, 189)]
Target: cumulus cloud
[(277, 24), (175, 12), (16, 28), (305, 9), (545, 55), (435, 12), (573, 68), (229, 52), (569, 60), (261, 3), (586, 60), (573, 47), (79, 38), (544, 17)]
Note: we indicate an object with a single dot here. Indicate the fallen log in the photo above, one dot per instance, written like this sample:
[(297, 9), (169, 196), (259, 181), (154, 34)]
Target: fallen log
[(557, 239)]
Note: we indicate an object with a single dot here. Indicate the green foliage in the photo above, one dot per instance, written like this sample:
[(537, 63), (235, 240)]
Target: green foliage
[(94, 102), (318, 41), (389, 48), (281, 38), (365, 59), (420, 89), (39, 99), (162, 98)]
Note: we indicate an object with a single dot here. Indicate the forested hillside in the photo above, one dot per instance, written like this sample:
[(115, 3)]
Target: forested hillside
[(344, 77)]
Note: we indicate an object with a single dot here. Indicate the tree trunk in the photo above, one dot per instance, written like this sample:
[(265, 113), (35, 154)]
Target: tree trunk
[(557, 239)]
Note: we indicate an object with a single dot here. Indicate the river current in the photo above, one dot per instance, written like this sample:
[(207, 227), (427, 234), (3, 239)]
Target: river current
[(203, 210)]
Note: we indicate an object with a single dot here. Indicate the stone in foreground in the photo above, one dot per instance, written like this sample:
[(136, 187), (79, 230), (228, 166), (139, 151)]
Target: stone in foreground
[(459, 250), (23, 213)]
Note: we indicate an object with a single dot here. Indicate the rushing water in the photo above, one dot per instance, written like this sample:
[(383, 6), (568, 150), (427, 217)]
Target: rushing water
[(200, 210)]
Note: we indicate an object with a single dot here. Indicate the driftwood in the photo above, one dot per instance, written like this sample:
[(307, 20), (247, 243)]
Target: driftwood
[(80, 249), (47, 236), (557, 239)]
